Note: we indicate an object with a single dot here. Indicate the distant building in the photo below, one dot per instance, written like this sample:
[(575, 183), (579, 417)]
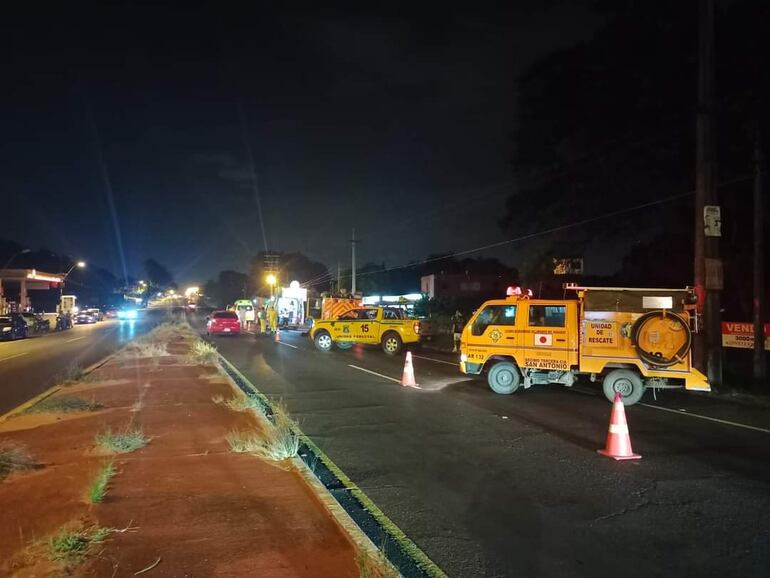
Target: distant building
[(462, 285)]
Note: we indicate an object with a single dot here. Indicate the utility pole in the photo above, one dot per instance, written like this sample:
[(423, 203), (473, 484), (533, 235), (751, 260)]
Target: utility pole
[(708, 267), (339, 277), (760, 369), (353, 264)]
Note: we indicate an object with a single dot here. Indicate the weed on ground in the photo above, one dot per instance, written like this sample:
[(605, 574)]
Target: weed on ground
[(98, 488), (70, 546), (14, 457), (64, 403), (124, 442), (240, 403), (72, 374), (202, 352), (278, 442), (375, 565)]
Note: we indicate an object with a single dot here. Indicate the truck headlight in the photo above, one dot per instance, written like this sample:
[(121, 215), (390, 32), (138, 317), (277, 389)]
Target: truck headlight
[(463, 357), (6, 329)]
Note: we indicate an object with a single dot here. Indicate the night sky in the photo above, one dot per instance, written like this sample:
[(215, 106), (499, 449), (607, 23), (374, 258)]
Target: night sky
[(122, 139)]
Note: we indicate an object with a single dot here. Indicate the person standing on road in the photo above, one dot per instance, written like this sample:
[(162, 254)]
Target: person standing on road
[(272, 319), (457, 330)]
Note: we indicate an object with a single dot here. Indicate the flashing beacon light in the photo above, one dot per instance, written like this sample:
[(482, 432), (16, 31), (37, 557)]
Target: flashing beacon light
[(529, 293), (513, 290)]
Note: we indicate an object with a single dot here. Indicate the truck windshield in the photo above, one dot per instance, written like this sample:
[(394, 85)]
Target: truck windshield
[(494, 315)]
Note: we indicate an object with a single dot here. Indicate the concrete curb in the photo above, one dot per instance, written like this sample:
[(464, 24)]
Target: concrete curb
[(402, 552)]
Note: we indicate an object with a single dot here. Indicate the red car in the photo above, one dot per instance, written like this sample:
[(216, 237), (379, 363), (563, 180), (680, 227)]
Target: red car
[(223, 323)]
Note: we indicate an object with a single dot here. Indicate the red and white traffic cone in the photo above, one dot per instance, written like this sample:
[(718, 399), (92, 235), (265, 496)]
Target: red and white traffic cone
[(618, 438), (407, 378), (277, 335)]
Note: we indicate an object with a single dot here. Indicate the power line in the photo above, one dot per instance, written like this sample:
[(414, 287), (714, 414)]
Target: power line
[(547, 231)]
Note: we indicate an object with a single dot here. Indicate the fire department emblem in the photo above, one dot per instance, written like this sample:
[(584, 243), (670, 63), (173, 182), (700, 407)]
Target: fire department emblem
[(495, 335)]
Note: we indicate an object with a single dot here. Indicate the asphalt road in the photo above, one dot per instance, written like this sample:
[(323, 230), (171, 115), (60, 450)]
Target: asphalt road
[(30, 366), (492, 485)]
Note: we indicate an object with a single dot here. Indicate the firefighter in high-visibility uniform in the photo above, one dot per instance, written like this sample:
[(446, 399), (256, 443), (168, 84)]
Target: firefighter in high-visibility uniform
[(272, 318), (262, 322)]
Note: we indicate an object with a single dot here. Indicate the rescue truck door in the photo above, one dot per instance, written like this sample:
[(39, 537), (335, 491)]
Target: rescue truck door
[(494, 327), (547, 344)]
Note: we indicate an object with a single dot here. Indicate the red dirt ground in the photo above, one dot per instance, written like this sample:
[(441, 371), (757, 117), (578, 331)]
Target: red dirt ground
[(185, 498)]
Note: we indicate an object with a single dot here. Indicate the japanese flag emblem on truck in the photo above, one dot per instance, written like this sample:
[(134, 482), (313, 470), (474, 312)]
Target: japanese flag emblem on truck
[(543, 339)]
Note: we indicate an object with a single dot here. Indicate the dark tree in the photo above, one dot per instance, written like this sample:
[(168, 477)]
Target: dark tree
[(157, 275)]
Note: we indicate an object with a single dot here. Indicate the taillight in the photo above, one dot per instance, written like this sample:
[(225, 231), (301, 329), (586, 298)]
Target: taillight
[(417, 327)]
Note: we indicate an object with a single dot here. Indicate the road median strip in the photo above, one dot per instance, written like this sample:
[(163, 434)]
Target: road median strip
[(400, 550), (150, 426)]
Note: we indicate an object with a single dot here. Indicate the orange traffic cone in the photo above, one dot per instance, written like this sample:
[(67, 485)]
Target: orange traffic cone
[(277, 335), (407, 378), (618, 440)]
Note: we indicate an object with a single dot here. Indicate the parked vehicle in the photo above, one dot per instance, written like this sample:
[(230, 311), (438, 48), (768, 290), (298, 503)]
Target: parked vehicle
[(85, 316), (389, 327), (36, 323), (630, 339), (223, 323), (111, 313), (97, 313), (13, 326)]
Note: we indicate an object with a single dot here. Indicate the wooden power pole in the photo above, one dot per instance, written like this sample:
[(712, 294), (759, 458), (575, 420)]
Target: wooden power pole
[(760, 369), (708, 267)]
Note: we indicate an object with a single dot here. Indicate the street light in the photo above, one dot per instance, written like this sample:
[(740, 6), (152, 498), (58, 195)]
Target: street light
[(79, 265), (271, 281)]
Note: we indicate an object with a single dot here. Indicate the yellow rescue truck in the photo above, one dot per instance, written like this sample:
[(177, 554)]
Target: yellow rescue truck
[(389, 327), (630, 339)]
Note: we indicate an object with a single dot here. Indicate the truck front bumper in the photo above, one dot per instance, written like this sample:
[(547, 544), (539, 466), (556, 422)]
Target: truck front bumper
[(470, 368)]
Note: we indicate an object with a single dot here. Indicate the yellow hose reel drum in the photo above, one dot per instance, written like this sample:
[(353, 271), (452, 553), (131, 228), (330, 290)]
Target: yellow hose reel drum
[(662, 338)]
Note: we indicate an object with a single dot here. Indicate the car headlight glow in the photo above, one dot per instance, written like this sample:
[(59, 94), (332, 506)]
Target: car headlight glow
[(6, 329)]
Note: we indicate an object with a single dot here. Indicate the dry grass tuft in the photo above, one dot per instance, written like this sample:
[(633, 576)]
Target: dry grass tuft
[(203, 352), (375, 565), (70, 546), (124, 442), (14, 457), (63, 404), (278, 442)]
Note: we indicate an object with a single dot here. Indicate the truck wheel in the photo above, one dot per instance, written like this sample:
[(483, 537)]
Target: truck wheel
[(625, 382), (344, 345), (504, 378), (391, 343), (323, 341)]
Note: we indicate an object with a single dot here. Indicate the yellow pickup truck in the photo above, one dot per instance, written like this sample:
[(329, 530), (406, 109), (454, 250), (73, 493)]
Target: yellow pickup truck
[(387, 326)]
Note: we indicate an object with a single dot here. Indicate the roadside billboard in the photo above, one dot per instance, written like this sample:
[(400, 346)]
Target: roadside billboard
[(741, 335)]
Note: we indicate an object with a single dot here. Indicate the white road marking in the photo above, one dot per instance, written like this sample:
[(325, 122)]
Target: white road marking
[(398, 381), (722, 421), (12, 356), (437, 360), (75, 339), (288, 345)]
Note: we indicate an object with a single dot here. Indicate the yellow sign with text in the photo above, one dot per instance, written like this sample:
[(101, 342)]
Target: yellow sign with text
[(601, 334)]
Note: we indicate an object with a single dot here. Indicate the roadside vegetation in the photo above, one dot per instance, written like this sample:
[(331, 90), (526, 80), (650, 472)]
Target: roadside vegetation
[(70, 546), (277, 442), (240, 403), (14, 457), (203, 352), (375, 565), (124, 442), (71, 374), (99, 485), (64, 403)]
